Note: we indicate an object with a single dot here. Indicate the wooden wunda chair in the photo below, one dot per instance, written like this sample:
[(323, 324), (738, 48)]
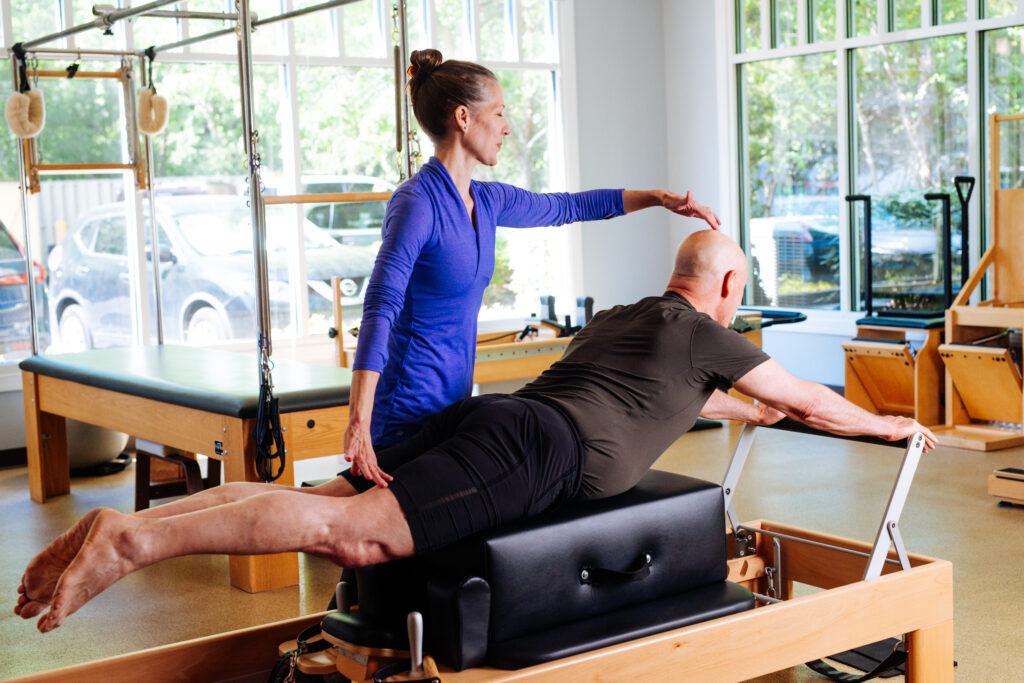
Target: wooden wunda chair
[(984, 408)]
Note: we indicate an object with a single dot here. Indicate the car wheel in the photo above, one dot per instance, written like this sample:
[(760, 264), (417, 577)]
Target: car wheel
[(206, 326), (73, 329)]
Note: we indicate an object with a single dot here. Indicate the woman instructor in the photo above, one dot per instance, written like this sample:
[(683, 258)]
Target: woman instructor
[(417, 339)]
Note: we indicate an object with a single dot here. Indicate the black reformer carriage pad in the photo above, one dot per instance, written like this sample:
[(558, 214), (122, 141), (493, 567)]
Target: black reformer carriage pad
[(516, 596)]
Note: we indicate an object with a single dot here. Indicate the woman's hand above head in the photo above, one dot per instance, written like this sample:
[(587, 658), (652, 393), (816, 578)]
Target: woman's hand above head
[(634, 200), (688, 206)]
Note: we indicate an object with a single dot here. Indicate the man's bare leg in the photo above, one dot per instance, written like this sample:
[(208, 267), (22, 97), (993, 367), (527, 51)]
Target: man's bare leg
[(42, 573), (240, 490), (352, 531)]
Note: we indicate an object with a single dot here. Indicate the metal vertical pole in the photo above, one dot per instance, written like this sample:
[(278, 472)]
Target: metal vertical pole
[(259, 230), (30, 279), (154, 231), (403, 48)]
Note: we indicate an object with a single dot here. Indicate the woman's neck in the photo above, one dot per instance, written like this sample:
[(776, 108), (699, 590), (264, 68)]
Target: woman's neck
[(459, 163)]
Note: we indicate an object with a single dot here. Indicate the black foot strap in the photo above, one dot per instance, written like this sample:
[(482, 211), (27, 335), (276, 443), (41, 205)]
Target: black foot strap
[(895, 658)]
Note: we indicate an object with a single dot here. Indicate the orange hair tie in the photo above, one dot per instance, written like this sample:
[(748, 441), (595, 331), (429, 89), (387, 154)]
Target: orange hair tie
[(410, 71)]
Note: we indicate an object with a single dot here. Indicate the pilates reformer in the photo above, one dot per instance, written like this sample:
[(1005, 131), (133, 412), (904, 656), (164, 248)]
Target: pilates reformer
[(765, 557), (871, 592)]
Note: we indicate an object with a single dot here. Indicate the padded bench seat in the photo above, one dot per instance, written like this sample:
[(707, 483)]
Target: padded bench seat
[(578, 577), (216, 381), (907, 322)]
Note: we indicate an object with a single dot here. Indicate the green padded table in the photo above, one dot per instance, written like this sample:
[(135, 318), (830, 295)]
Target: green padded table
[(197, 400)]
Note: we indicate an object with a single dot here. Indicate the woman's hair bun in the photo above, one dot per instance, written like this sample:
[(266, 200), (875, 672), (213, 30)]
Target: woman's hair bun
[(423, 62)]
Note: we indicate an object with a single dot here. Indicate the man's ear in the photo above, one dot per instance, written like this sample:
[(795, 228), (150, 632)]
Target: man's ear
[(461, 114), (729, 281)]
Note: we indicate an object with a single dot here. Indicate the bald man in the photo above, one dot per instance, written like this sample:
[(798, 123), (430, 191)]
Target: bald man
[(630, 383)]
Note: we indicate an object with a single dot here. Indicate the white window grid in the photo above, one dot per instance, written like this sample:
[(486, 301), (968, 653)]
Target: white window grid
[(563, 171), (729, 30)]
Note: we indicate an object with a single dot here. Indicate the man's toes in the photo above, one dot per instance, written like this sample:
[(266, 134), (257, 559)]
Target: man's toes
[(31, 609), (50, 620)]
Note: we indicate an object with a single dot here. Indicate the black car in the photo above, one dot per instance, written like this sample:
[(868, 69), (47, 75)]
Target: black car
[(206, 272), (15, 330)]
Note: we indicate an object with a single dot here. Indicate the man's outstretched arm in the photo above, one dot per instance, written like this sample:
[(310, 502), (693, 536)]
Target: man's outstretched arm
[(819, 407), (722, 406)]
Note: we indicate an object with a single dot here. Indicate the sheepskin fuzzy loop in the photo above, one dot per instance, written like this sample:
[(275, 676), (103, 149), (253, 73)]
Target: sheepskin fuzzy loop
[(26, 113), (152, 112)]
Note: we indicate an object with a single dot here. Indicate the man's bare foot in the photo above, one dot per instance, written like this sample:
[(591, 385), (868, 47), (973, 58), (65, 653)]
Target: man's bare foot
[(43, 572), (108, 554)]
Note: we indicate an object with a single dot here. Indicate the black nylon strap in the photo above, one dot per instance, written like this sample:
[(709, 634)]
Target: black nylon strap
[(268, 436), (895, 658), (19, 53)]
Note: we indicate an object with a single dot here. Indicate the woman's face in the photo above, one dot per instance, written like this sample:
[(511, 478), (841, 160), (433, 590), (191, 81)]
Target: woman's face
[(487, 125)]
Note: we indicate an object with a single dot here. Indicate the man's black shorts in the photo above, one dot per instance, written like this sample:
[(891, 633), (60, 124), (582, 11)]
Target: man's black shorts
[(481, 462)]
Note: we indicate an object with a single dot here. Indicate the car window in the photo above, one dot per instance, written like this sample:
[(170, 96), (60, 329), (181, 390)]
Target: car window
[(320, 215), (8, 249), (165, 241), (222, 231), (110, 237)]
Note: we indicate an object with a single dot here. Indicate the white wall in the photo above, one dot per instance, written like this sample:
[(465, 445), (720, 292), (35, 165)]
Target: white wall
[(693, 120), (620, 69)]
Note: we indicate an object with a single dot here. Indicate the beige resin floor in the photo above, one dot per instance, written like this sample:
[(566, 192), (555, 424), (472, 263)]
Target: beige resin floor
[(823, 484)]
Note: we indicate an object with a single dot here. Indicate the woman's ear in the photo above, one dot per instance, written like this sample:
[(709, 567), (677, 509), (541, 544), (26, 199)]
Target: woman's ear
[(461, 115)]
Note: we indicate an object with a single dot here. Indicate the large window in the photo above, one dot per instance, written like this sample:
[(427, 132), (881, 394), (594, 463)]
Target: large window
[(866, 97), (324, 106)]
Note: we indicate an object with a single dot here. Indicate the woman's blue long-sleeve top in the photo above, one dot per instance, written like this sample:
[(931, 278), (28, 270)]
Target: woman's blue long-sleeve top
[(420, 311)]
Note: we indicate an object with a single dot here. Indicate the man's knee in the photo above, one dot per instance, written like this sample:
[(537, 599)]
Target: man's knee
[(369, 528)]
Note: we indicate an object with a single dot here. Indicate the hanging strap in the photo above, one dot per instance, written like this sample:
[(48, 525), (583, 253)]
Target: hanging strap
[(19, 52), (268, 433), (895, 658), (150, 53)]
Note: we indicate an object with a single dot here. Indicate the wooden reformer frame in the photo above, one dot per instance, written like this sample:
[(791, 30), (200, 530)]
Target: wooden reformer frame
[(984, 407), (863, 600)]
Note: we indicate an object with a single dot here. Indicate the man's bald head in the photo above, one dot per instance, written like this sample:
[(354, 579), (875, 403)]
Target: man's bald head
[(710, 271)]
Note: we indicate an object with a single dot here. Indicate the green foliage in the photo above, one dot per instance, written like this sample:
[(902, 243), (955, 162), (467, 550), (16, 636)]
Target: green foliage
[(499, 292), (791, 129)]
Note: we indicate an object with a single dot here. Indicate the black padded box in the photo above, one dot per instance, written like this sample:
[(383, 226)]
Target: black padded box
[(577, 577)]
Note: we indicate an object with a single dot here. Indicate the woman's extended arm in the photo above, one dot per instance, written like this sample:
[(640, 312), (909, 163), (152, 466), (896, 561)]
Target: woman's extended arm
[(634, 200)]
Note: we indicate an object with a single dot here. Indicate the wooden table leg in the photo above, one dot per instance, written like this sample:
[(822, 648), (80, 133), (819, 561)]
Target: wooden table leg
[(255, 573), (47, 444), (930, 654)]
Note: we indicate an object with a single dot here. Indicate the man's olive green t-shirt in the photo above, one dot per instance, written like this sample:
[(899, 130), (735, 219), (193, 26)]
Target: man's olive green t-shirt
[(635, 379)]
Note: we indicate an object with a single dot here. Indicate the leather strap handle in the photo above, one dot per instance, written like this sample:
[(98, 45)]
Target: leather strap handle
[(640, 569)]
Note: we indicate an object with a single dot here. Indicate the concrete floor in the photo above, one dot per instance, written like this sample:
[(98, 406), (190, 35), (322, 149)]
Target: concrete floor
[(828, 485)]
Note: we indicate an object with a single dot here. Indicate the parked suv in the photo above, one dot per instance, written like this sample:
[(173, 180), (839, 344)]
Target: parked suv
[(206, 272), (15, 333)]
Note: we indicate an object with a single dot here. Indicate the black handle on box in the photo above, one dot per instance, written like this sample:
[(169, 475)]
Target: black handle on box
[(639, 570)]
